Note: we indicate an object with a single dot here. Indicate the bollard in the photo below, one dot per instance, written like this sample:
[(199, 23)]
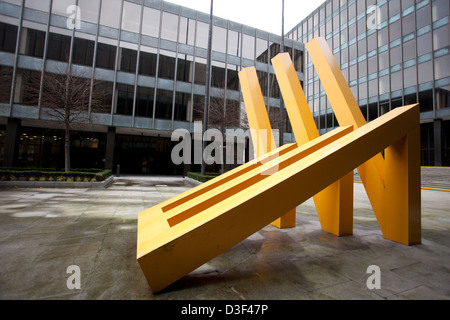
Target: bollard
[(118, 170)]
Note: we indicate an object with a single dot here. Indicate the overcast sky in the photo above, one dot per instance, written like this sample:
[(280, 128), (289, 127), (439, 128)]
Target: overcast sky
[(260, 14)]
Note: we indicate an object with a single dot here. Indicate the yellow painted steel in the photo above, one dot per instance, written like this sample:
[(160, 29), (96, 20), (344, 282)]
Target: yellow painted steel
[(182, 233), (334, 204), (396, 192), (260, 128)]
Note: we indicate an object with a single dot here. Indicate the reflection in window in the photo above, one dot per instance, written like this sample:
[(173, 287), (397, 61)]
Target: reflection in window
[(423, 17), (441, 38), (262, 50), (440, 9), (41, 5), (144, 102), (58, 47), (27, 87), (150, 24), (83, 51), (105, 90), (125, 95), (442, 67), (128, 60), (147, 63), (5, 83), (106, 56), (163, 104), (218, 75)]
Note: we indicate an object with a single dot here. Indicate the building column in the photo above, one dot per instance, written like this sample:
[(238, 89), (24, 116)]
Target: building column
[(12, 142), (437, 133), (110, 144)]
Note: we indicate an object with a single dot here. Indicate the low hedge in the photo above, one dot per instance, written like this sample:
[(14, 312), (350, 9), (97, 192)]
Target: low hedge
[(202, 178), (31, 174)]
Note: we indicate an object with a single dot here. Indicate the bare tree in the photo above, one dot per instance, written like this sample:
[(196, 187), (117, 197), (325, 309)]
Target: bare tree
[(65, 97)]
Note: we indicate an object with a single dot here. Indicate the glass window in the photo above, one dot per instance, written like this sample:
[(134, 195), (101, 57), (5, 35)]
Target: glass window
[(442, 67), (6, 74), (396, 55), (218, 75), (441, 38), (105, 90), (396, 81), (166, 65), (89, 10), (106, 56), (60, 7), (424, 44), (440, 9), (383, 60), (125, 95), (42, 5), (361, 47), (234, 43), (248, 47), (352, 31), (163, 104), (147, 61), (169, 27), (27, 87), (58, 47), (200, 71), (35, 43), (408, 24), (262, 50), (144, 102), (372, 42), (150, 24), (232, 77), (110, 13), (202, 35), (394, 7), (182, 103), (395, 30), (361, 6), (187, 31), (362, 91), (425, 72), (184, 70), (423, 17), (131, 17), (219, 39), (83, 51), (362, 69), (409, 50), (128, 59), (409, 77), (352, 52), (8, 37), (383, 37), (361, 26)]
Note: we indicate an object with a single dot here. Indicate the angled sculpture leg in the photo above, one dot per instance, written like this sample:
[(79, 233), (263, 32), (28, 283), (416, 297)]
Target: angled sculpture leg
[(402, 195), (392, 184), (260, 127), (334, 204)]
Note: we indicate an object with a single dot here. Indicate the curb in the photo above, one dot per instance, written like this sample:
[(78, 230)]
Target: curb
[(58, 184)]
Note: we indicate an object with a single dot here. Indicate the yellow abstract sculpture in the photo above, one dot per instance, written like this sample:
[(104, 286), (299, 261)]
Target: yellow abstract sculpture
[(180, 234)]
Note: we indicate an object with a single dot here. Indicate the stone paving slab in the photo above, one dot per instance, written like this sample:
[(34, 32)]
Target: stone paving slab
[(44, 231)]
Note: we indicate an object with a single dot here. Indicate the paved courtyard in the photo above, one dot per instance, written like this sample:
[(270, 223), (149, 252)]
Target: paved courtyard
[(44, 231)]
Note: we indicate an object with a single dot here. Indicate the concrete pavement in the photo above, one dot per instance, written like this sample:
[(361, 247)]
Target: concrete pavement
[(44, 231)]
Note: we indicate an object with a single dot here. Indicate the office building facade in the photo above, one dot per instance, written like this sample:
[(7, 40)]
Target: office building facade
[(148, 60), (392, 53)]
